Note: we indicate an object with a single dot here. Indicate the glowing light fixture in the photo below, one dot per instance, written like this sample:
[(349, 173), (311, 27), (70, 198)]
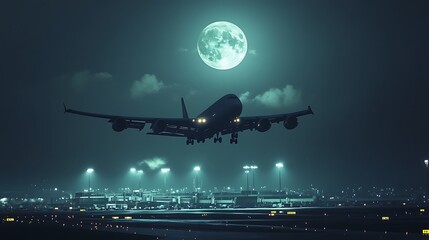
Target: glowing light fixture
[(165, 170), (197, 168), (133, 170)]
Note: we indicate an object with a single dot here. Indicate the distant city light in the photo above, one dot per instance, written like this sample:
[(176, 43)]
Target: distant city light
[(165, 170), (90, 170), (197, 168)]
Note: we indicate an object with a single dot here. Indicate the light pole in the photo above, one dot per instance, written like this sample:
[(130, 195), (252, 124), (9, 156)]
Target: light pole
[(140, 173), (197, 169), (246, 170), (89, 171), (165, 171), (133, 171), (427, 180), (280, 166), (253, 167), (247, 179)]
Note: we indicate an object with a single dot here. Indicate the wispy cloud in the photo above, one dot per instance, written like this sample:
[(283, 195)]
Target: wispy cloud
[(148, 84), (252, 51), (81, 79), (274, 97), (182, 49), (153, 163)]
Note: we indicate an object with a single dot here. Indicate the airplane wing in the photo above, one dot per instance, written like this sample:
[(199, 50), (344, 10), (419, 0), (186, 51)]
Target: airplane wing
[(180, 127), (263, 123)]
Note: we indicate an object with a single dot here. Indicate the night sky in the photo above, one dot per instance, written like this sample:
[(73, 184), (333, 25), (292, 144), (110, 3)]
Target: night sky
[(362, 66)]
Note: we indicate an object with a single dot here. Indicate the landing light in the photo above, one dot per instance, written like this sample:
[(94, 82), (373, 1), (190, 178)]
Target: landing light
[(201, 120), (237, 120)]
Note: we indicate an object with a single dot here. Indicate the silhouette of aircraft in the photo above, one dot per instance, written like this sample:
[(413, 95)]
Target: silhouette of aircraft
[(221, 118)]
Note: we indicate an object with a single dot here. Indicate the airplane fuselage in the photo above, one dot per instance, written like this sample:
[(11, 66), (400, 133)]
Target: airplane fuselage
[(218, 115)]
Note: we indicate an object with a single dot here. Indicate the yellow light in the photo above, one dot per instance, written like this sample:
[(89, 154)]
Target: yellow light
[(422, 210), (115, 217), (82, 210), (291, 213), (425, 231), (204, 120), (273, 212), (238, 119), (199, 120), (385, 218), (128, 217), (11, 219)]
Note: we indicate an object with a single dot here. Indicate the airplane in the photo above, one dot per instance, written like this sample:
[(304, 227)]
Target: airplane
[(221, 118)]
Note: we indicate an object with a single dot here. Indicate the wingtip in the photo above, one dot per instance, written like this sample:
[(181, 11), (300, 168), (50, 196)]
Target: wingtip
[(310, 110), (65, 108)]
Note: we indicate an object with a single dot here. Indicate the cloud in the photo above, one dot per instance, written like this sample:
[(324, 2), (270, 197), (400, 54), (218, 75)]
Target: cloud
[(244, 97), (252, 52), (153, 163), (148, 84), (82, 79), (182, 49), (275, 97)]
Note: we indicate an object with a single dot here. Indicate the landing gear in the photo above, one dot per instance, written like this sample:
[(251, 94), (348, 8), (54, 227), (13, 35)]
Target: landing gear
[(189, 141), (217, 139), (234, 138)]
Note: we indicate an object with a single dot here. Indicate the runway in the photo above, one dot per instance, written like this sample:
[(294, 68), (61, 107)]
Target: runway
[(291, 223)]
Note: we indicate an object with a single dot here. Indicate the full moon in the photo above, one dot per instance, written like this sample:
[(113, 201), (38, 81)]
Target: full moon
[(222, 45)]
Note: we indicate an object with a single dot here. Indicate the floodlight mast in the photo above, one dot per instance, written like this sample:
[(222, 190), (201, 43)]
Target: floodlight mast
[(253, 167), (280, 166), (164, 171), (140, 173), (427, 179), (197, 169), (89, 171)]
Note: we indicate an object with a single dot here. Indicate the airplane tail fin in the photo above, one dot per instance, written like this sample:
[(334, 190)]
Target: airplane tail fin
[(184, 112)]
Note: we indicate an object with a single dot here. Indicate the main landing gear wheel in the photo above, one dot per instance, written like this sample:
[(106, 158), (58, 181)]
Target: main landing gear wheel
[(217, 139), (234, 138), (189, 141)]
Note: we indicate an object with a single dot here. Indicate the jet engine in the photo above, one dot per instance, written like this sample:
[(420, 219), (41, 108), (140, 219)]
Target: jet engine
[(119, 124), (263, 125), (290, 123), (158, 126)]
